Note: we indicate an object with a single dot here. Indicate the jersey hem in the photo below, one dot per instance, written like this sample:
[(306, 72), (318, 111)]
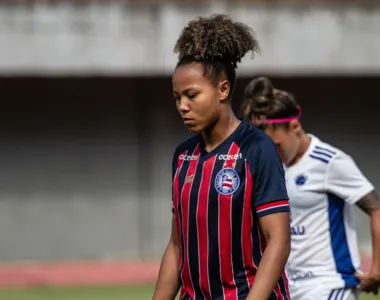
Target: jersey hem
[(273, 211), (364, 191)]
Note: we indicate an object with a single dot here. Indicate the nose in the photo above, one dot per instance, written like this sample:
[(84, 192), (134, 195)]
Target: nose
[(182, 105)]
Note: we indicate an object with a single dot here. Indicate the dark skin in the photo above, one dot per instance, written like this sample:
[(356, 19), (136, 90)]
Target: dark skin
[(205, 108), (293, 142), (370, 204)]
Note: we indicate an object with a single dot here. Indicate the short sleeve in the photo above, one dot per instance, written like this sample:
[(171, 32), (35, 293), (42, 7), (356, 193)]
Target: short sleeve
[(345, 180), (270, 194)]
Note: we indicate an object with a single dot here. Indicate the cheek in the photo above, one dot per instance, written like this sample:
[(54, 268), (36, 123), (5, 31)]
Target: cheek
[(208, 105)]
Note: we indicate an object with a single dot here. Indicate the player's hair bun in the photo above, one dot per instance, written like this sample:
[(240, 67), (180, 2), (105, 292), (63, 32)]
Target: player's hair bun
[(263, 101), (216, 38), (260, 94)]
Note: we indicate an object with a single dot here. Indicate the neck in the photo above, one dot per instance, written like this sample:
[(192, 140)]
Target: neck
[(305, 141), (217, 133)]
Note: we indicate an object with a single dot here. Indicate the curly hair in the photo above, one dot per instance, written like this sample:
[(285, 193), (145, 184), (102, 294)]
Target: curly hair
[(218, 43), (262, 101)]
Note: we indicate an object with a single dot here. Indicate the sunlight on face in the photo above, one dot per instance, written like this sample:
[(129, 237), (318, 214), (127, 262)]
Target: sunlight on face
[(197, 99)]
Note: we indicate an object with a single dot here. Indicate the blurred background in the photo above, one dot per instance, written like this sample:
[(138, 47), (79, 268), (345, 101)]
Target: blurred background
[(88, 125)]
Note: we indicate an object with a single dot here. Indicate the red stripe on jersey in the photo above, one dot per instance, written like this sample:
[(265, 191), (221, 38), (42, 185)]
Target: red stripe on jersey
[(185, 202), (176, 200), (285, 279), (246, 237), (225, 237), (202, 226), (286, 284), (277, 290), (272, 205), (176, 181), (182, 295)]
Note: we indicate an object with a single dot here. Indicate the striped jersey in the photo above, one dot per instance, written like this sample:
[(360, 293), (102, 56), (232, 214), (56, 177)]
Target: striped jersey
[(323, 187), (218, 198)]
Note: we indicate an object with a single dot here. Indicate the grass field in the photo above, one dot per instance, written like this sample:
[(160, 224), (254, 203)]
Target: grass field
[(92, 293)]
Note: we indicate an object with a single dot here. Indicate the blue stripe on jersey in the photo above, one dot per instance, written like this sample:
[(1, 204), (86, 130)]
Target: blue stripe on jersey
[(339, 243), (181, 180), (325, 149), (322, 153), (337, 294), (186, 297), (216, 288), (343, 292), (319, 158), (192, 232), (237, 256)]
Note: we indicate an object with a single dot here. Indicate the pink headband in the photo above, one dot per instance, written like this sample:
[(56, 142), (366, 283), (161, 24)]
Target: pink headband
[(276, 121)]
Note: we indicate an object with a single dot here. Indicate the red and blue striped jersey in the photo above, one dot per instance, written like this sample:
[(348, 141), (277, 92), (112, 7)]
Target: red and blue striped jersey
[(218, 198)]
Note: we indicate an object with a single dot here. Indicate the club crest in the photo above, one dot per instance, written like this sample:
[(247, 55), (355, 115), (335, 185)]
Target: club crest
[(227, 181), (300, 180)]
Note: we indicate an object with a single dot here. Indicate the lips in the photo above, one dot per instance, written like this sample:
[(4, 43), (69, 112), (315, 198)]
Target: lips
[(188, 121)]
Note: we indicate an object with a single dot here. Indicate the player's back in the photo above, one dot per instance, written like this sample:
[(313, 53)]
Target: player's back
[(323, 187)]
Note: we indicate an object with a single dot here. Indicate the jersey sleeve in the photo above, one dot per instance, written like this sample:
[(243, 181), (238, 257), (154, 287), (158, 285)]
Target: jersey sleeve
[(269, 192), (345, 180)]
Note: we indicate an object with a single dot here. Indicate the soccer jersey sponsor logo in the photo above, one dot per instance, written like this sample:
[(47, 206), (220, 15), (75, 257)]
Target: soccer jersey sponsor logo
[(230, 156), (188, 157), (298, 230), (227, 181), (294, 275)]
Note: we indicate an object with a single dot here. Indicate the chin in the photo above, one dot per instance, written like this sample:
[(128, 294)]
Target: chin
[(194, 129)]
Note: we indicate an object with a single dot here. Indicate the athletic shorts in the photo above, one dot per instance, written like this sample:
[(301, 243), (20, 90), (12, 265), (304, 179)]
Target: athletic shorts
[(320, 291)]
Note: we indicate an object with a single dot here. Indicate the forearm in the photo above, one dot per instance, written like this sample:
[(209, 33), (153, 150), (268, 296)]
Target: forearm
[(167, 283), (269, 271), (375, 227)]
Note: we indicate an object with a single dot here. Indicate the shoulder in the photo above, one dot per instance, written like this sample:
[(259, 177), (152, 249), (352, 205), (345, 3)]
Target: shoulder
[(325, 153), (255, 141), (260, 151)]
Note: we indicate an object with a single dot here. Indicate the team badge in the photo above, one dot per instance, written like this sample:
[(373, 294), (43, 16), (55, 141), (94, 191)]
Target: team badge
[(300, 180), (227, 181)]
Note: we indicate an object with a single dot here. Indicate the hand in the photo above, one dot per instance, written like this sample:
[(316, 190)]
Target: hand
[(369, 283)]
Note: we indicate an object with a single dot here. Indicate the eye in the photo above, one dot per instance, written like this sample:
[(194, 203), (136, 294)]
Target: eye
[(191, 96)]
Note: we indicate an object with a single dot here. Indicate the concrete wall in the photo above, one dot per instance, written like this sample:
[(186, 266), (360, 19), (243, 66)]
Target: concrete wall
[(124, 38)]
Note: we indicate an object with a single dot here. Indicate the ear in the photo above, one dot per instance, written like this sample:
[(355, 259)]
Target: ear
[(224, 90), (295, 126)]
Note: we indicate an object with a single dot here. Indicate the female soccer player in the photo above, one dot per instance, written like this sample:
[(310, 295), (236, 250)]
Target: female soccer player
[(323, 184), (230, 234)]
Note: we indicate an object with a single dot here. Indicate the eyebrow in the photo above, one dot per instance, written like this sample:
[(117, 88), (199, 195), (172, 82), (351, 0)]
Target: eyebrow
[(186, 90)]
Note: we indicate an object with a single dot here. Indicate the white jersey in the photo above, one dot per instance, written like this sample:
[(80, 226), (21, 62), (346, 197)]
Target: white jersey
[(323, 187)]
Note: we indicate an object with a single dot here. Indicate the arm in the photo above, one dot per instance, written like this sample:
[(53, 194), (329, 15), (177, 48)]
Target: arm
[(276, 231), (168, 281), (272, 210), (370, 204)]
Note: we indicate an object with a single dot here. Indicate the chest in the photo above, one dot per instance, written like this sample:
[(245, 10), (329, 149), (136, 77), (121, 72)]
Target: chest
[(222, 181), (306, 190)]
